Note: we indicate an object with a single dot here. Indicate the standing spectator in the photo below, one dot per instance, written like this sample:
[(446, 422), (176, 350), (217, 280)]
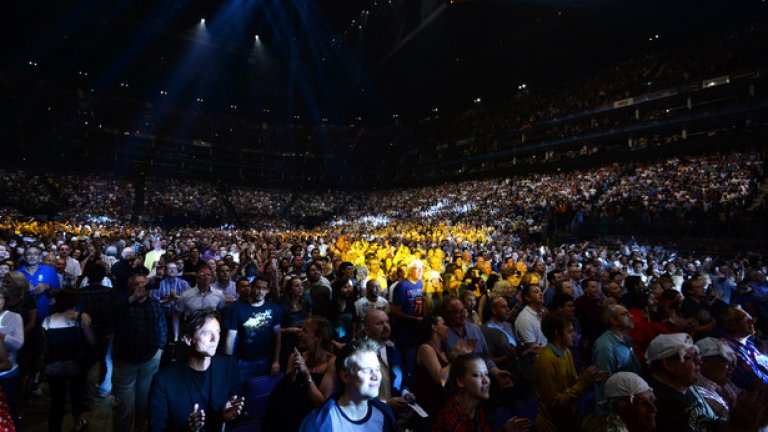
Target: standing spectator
[(358, 406), (68, 336), (409, 307), (631, 404), (695, 307), (751, 371), (72, 265), (140, 336), (612, 351), (674, 364), (197, 298), (97, 300), (371, 301), (254, 333), (467, 335), (66, 279), (12, 337), (41, 277), (432, 365), (717, 362), (201, 392), (317, 290), (192, 265), (556, 384), (224, 283), (376, 327), (295, 312), (470, 386), (528, 322)]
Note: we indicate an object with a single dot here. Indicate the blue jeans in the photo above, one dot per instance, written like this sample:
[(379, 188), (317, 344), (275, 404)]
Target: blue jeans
[(105, 386), (130, 385), (254, 368)]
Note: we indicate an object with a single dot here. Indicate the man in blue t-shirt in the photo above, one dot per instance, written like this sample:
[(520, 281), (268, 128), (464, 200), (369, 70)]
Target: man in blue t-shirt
[(43, 279), (409, 306), (254, 333)]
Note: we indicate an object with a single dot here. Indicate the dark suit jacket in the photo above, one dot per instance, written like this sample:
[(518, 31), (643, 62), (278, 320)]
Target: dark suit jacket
[(173, 395)]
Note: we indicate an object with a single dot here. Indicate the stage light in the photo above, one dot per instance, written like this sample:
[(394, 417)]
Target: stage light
[(256, 37), (202, 21)]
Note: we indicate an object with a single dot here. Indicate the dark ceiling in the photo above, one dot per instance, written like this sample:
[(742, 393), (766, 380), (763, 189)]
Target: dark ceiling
[(312, 60)]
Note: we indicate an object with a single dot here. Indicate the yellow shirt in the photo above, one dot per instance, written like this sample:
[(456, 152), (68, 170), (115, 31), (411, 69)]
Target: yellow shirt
[(557, 389)]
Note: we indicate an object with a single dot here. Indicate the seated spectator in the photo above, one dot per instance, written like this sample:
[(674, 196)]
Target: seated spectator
[(200, 393), (556, 384), (717, 363)]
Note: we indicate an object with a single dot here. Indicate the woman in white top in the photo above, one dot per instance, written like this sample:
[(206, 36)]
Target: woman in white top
[(12, 337)]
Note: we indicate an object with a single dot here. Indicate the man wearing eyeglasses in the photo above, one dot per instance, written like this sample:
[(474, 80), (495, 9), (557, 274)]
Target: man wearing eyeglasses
[(675, 368), (42, 278), (751, 370)]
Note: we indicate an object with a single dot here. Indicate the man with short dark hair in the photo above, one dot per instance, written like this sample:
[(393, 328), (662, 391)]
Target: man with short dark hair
[(224, 283), (211, 382), (695, 306), (358, 407), (469, 336), (528, 322), (254, 333)]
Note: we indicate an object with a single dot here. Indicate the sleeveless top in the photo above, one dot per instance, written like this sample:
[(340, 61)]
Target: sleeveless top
[(430, 394), (63, 342)]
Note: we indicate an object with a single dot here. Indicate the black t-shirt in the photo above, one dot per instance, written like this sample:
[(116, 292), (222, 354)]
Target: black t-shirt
[(255, 330)]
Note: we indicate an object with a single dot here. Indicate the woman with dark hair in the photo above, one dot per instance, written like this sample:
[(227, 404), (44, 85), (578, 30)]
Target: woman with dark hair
[(432, 365), (470, 384), (309, 379), (296, 310), (200, 393), (343, 311), (68, 336)]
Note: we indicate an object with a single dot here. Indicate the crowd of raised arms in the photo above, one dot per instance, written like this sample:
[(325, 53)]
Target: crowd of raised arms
[(471, 317)]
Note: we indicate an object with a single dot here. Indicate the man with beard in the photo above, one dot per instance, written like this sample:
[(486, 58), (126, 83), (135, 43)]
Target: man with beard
[(192, 265), (317, 290), (254, 333), (183, 394)]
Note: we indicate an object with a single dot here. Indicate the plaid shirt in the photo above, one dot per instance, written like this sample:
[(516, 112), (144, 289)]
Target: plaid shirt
[(140, 330), (720, 398), (751, 364), (453, 418)]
